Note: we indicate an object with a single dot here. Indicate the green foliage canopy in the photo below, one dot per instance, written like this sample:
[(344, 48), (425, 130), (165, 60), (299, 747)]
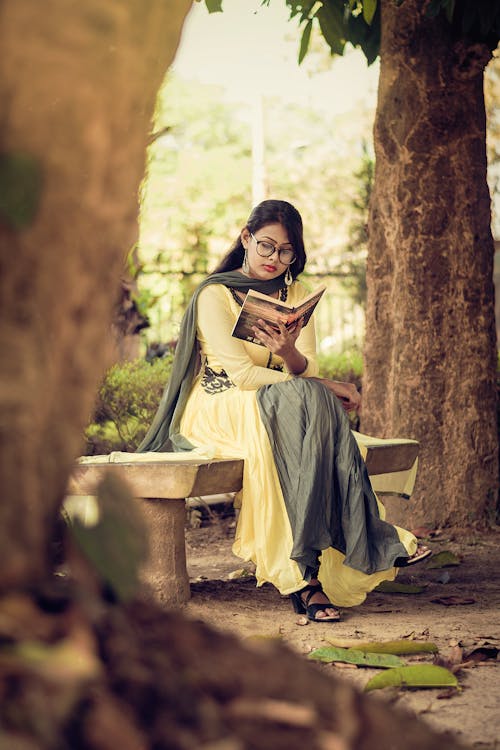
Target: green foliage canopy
[(358, 21)]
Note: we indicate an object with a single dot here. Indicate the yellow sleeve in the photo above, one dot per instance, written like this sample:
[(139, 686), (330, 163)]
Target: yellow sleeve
[(245, 363)]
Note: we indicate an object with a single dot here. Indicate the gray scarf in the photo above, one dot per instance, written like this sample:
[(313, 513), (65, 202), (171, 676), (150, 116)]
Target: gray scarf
[(164, 435)]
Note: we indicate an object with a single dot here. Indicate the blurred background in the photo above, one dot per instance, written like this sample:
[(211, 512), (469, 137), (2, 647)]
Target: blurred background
[(239, 120)]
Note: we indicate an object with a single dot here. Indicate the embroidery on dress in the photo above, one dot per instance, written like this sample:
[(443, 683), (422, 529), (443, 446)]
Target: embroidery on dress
[(215, 382), (272, 365)]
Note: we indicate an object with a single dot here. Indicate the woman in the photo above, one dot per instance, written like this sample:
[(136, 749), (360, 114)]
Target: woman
[(309, 519)]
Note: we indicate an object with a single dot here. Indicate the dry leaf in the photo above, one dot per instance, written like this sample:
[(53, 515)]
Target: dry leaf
[(483, 653), (421, 532), (330, 741), (443, 560), (447, 694), (443, 577), (450, 601), (280, 712), (453, 660)]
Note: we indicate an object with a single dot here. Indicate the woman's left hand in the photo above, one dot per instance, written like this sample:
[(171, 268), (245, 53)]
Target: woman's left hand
[(348, 394), (280, 342)]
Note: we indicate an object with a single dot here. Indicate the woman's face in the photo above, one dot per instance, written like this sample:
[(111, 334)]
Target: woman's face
[(259, 244)]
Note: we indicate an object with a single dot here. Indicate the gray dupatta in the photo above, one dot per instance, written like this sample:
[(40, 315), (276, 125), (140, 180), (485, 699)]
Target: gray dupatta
[(325, 485), (164, 435)]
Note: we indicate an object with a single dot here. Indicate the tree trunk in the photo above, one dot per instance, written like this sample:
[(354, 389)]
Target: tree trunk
[(431, 343), (78, 83)]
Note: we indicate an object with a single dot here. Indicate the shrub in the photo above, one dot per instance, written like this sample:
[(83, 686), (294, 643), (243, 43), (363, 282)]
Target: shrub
[(126, 403), (346, 366), (129, 395)]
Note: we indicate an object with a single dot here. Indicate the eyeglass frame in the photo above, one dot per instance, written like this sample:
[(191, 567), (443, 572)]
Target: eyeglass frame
[(279, 248)]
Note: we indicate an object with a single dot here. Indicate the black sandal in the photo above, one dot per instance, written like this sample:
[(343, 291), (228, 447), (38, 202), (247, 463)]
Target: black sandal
[(422, 553), (300, 602)]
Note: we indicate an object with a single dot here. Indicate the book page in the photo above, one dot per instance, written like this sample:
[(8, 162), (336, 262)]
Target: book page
[(258, 306)]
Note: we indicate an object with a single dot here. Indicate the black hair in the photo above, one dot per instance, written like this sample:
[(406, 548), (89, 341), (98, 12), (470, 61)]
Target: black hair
[(270, 212)]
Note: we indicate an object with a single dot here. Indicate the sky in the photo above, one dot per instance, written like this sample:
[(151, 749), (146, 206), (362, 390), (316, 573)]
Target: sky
[(251, 49)]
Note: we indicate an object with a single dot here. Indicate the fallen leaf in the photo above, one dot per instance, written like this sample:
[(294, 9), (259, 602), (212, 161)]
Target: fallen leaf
[(393, 587), (450, 601), (386, 647), (343, 665), (354, 656), (443, 577), (330, 741), (69, 661), (447, 694), (483, 653), (453, 660), (239, 574), (282, 712), (262, 639), (413, 676), (422, 532), (443, 560)]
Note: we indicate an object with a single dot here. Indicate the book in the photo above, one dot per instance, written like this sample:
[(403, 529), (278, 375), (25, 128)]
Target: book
[(257, 306)]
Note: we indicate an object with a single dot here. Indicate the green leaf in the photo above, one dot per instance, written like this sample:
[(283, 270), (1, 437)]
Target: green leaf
[(367, 37), (434, 8), (20, 188), (392, 587), (403, 646), (331, 22), (117, 545), (304, 42), (413, 676), (369, 8), (355, 656), (214, 6), (450, 9), (443, 559), (304, 8)]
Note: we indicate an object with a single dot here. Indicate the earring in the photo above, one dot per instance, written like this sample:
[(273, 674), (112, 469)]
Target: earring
[(288, 277), (244, 266)]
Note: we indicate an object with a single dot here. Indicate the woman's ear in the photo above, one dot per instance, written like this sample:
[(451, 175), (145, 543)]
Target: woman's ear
[(245, 237)]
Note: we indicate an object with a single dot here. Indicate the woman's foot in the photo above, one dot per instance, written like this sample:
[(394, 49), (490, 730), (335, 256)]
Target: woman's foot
[(313, 602), (421, 553)]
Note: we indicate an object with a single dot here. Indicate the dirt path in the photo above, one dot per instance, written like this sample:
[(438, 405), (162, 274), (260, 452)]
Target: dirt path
[(472, 714)]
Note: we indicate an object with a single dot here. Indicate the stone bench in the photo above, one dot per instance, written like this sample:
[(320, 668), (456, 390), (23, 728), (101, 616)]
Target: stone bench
[(163, 483)]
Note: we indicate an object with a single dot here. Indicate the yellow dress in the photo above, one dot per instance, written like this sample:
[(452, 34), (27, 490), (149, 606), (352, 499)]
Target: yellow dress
[(222, 413)]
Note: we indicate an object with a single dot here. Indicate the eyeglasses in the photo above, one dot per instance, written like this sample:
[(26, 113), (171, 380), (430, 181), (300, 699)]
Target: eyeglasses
[(265, 249)]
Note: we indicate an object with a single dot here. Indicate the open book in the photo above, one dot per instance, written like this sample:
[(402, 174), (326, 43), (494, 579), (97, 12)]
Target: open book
[(258, 306)]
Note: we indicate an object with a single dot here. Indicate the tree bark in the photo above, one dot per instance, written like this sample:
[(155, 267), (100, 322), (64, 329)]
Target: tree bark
[(78, 82), (430, 357)]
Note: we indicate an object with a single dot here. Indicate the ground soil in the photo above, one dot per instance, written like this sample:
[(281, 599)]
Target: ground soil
[(224, 595)]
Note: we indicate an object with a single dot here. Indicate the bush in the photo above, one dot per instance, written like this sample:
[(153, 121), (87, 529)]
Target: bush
[(346, 366), (129, 395), (126, 404)]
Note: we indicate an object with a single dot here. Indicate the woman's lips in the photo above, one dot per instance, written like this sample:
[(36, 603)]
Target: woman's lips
[(270, 268)]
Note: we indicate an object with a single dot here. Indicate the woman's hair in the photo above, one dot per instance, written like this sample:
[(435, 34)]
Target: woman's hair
[(270, 212)]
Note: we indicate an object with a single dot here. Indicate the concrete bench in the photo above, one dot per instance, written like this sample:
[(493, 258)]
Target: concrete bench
[(162, 487)]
